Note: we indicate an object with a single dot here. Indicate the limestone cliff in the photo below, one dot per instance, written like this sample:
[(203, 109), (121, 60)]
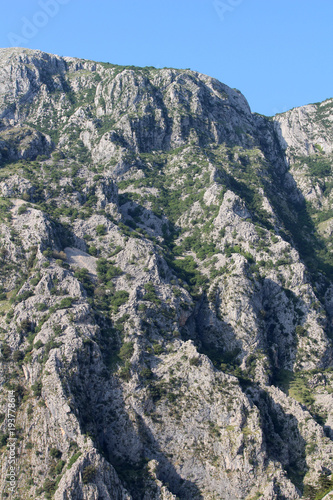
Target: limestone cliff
[(166, 296)]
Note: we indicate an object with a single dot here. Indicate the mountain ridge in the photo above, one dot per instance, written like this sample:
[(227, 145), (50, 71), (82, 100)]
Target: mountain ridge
[(166, 297)]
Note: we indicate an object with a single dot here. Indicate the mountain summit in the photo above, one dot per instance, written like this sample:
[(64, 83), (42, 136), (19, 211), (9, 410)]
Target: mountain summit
[(166, 295)]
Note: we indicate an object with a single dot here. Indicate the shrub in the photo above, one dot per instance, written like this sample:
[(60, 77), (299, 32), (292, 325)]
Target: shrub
[(26, 326), (49, 486), (57, 156), (125, 372), (73, 459), (37, 388), (60, 465), (116, 250), (151, 295), (55, 453), (158, 349), (88, 473), (26, 196), (106, 270), (66, 303), (92, 251), (81, 274), (41, 306), (48, 253), (119, 298), (300, 331), (3, 439), (18, 356), (22, 209), (146, 373), (59, 255), (6, 351), (100, 230), (57, 329), (126, 351)]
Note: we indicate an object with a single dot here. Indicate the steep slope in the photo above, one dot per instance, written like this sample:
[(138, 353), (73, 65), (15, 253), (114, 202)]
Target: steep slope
[(166, 290)]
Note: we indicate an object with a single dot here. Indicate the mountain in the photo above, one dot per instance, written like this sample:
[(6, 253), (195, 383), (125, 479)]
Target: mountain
[(166, 297)]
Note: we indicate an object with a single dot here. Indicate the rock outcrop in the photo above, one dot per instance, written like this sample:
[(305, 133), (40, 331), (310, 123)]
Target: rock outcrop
[(166, 288)]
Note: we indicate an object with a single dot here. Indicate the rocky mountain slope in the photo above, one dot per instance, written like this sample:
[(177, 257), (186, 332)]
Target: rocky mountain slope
[(166, 297)]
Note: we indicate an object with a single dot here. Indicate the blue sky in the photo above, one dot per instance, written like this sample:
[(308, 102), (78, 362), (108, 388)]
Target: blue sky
[(279, 53)]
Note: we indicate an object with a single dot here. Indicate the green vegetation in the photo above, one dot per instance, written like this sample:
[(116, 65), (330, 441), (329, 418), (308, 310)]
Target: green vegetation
[(186, 269), (106, 270), (55, 453), (49, 488), (118, 299), (66, 302), (88, 474), (172, 199), (317, 492), (100, 230), (150, 294), (37, 388), (126, 351), (73, 459)]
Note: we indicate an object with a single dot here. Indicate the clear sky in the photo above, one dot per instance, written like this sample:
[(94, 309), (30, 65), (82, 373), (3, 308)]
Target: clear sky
[(279, 53)]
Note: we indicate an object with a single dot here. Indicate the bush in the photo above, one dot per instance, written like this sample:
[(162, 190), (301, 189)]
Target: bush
[(66, 303), (55, 453), (151, 295), (41, 306), (49, 486), (57, 329), (300, 331), (125, 372), (22, 210), (146, 373), (6, 351), (26, 326), (57, 156), (83, 276), (18, 356), (59, 255), (26, 196), (100, 230), (92, 251), (106, 270), (158, 349), (88, 473), (48, 253), (37, 388), (126, 351), (119, 298), (3, 439), (60, 465), (73, 459)]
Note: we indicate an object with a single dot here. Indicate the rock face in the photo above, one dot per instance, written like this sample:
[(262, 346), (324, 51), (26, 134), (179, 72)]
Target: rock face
[(166, 296)]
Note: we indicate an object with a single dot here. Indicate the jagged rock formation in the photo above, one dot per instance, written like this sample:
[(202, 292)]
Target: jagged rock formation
[(166, 296)]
